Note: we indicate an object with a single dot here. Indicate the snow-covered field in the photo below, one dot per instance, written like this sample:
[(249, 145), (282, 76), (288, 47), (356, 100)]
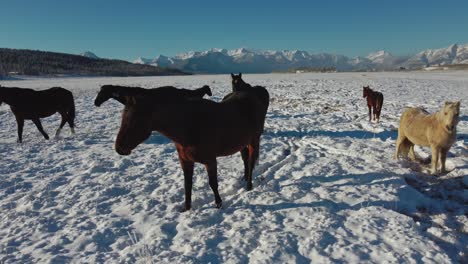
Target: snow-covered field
[(326, 189)]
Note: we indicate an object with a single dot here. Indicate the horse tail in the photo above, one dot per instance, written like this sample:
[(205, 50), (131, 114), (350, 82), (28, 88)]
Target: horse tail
[(379, 101)]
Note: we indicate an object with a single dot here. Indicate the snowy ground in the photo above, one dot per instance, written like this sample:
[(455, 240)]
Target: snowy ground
[(326, 190)]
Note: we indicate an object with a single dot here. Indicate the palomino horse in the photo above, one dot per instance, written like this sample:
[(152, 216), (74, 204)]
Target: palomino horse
[(438, 131), (201, 130), (120, 93), (374, 101), (30, 104), (262, 94)]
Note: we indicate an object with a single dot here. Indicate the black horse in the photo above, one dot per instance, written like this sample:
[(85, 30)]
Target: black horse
[(261, 93), (28, 104), (122, 93)]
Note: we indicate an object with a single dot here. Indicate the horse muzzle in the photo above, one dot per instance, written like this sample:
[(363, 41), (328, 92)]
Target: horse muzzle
[(450, 128), (97, 103), (122, 151)]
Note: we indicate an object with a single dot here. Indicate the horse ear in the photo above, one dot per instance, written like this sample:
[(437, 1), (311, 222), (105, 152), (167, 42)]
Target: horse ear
[(457, 104), (232, 75), (240, 75)]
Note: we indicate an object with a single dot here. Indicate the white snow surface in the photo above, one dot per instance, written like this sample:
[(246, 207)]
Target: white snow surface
[(326, 189)]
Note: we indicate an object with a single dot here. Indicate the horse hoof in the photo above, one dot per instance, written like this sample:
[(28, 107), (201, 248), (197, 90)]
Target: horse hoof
[(219, 205), (184, 209), (249, 187)]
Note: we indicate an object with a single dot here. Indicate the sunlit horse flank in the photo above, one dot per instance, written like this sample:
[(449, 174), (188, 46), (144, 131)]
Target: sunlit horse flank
[(437, 131), (238, 84), (201, 130), (374, 102), (120, 93), (29, 104)]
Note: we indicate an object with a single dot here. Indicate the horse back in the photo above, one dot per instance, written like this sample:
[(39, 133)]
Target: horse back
[(415, 123)]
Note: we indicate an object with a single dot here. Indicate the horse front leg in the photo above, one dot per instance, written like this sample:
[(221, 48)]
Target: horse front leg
[(370, 118), (38, 124), (212, 169), (443, 158), (187, 167), (435, 159), (20, 122)]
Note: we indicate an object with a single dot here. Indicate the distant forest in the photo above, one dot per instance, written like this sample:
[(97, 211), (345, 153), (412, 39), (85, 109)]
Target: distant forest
[(31, 62)]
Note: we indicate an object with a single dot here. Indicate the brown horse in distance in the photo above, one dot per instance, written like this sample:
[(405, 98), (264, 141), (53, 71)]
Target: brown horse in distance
[(121, 93), (374, 101), (201, 130), (28, 104), (238, 84)]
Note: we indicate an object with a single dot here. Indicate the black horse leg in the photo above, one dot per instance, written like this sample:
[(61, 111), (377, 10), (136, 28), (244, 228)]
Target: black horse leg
[(20, 123), (187, 167), (38, 124), (62, 123), (245, 158), (212, 170), (71, 123)]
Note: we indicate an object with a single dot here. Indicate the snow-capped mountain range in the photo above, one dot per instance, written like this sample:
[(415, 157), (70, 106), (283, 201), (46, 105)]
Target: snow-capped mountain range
[(264, 61)]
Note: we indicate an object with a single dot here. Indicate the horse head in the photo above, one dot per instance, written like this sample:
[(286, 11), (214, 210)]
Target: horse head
[(449, 115), (206, 90), (135, 127), (237, 82), (365, 91), (104, 94)]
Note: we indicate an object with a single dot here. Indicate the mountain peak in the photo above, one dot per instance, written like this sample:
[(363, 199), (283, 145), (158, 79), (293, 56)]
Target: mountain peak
[(89, 54)]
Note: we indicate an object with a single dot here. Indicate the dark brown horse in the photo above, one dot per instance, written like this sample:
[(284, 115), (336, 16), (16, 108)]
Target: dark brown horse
[(374, 101), (33, 105), (120, 93), (201, 130), (238, 84)]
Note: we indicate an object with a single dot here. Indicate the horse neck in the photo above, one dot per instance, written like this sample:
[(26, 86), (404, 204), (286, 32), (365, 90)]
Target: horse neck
[(123, 93), (171, 120), (7, 95)]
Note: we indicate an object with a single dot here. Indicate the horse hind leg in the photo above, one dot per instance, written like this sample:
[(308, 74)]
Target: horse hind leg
[(62, 123), (411, 155), (38, 124), (400, 144), (254, 150), (245, 158)]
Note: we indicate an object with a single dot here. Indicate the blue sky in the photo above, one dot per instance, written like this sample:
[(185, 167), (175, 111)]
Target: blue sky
[(129, 29)]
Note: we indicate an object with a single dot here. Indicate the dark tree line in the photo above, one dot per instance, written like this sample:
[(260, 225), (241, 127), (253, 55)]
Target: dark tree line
[(31, 62)]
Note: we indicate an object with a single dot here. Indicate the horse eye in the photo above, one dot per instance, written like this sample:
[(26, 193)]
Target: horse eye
[(445, 113)]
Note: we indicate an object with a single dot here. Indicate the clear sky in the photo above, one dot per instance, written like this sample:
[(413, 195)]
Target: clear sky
[(133, 28)]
